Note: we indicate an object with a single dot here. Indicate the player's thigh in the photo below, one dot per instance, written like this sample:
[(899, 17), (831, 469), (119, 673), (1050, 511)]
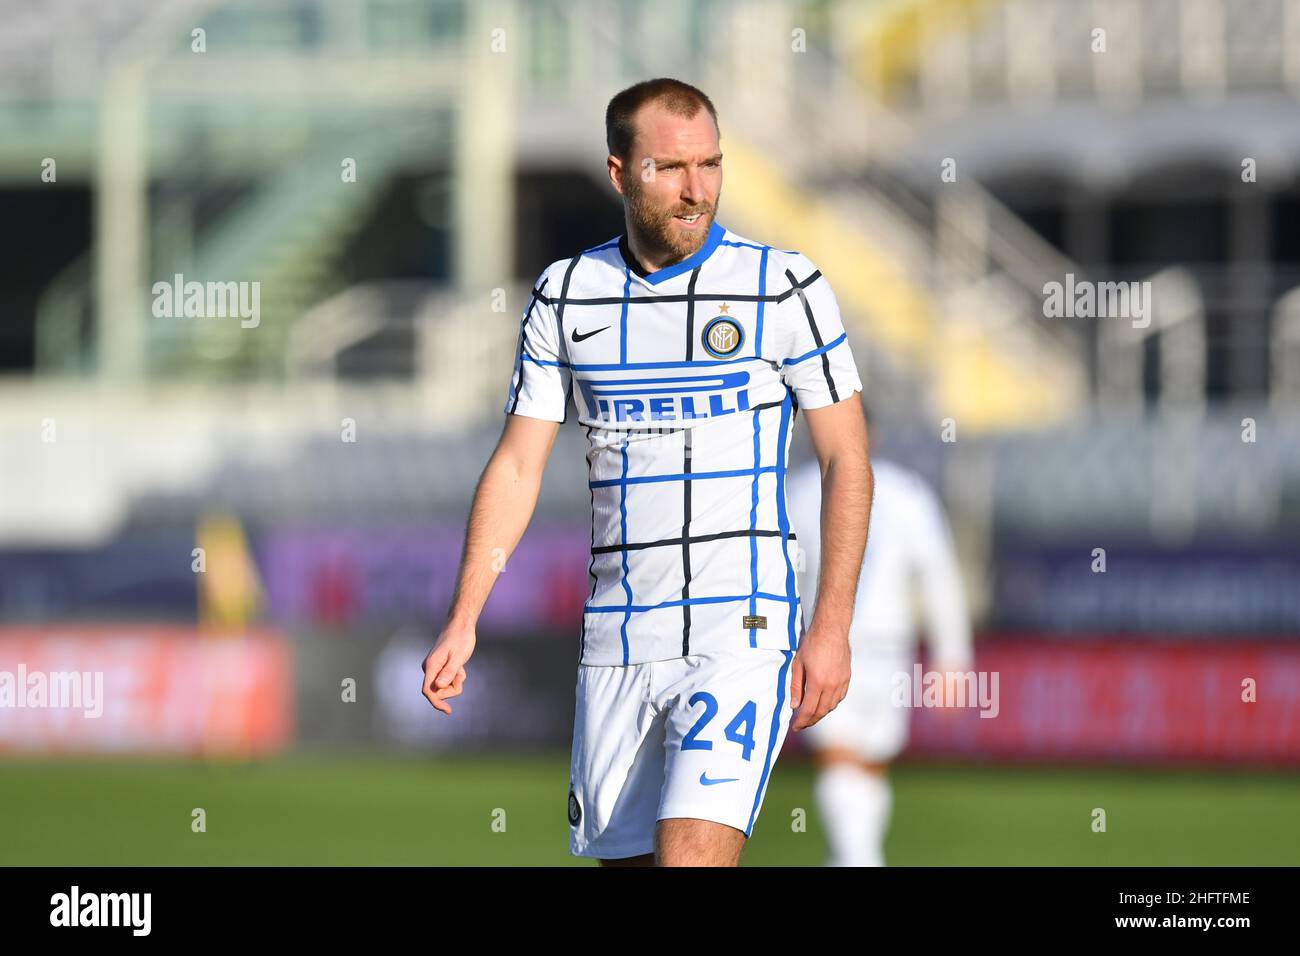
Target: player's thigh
[(683, 841), (728, 716)]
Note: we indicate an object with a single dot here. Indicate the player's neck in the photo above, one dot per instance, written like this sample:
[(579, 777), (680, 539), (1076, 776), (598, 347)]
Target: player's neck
[(651, 258)]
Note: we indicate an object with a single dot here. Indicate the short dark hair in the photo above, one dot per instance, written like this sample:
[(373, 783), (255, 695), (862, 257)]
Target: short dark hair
[(680, 99)]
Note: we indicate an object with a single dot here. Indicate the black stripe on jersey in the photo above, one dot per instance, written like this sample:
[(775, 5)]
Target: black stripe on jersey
[(812, 324), (523, 328), (697, 539), (686, 469), (690, 314), (591, 565), (686, 529), (630, 299), (563, 300)]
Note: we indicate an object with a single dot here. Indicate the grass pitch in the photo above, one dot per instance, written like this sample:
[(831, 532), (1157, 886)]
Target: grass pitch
[(510, 811)]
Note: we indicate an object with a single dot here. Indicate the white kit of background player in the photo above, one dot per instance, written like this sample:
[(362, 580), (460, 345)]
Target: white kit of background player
[(911, 554), (687, 381)]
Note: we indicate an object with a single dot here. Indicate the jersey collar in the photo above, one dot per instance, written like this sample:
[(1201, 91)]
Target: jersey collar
[(711, 241)]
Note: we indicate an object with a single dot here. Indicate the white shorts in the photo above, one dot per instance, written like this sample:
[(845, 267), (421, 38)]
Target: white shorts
[(693, 736), (866, 722)]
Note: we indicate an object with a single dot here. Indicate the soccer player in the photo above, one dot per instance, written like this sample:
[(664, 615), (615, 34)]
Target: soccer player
[(686, 351), (853, 746)]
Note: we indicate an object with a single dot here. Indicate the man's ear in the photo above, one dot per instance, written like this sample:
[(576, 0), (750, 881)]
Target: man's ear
[(615, 167)]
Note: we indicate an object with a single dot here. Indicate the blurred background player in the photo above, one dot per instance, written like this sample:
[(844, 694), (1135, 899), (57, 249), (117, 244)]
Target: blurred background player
[(910, 548)]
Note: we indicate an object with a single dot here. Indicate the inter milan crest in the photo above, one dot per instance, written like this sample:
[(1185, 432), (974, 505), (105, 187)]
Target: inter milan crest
[(575, 811), (723, 335)]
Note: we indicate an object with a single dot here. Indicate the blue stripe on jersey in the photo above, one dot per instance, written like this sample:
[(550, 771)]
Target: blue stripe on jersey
[(622, 319), (817, 351), (753, 523), (682, 602), (602, 247), (771, 739), (622, 509), (646, 479), (689, 363), (623, 522), (753, 507), (625, 366), (538, 361), (782, 516)]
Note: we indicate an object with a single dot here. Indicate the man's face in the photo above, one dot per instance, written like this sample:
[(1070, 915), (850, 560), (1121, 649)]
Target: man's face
[(672, 180)]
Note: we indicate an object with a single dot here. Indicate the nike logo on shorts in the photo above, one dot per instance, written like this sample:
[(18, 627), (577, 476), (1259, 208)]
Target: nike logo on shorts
[(706, 782)]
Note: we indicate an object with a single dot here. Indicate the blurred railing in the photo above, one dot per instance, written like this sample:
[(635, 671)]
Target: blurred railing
[(1285, 356), (454, 350), (1031, 51)]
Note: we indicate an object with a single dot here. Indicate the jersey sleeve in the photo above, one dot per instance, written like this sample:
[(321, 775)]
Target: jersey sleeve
[(817, 361), (540, 380)]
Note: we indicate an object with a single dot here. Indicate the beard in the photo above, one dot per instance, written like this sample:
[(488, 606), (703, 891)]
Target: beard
[(654, 226)]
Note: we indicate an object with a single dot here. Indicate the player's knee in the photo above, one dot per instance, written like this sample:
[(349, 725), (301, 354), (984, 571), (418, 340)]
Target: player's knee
[(685, 855), (684, 842)]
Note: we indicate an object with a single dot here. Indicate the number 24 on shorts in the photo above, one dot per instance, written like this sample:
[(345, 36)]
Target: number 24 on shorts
[(740, 730)]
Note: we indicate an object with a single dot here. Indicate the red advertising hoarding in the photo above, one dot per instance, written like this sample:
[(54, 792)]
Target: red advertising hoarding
[(1128, 700), (155, 689)]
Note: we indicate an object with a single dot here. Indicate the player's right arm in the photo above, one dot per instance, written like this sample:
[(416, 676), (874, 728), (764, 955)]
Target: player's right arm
[(503, 505), (819, 369), (507, 492)]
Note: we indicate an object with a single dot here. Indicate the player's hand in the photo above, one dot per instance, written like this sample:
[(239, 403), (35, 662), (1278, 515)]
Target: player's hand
[(444, 666), (820, 676)]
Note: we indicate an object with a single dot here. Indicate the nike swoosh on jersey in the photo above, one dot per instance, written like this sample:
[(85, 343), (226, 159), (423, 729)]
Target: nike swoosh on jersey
[(585, 335), (705, 781)]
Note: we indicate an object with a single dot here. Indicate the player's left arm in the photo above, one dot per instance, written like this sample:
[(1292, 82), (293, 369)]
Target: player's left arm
[(819, 367), (822, 670)]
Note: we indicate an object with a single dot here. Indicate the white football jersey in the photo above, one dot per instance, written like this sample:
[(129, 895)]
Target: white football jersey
[(687, 381), (908, 543)]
